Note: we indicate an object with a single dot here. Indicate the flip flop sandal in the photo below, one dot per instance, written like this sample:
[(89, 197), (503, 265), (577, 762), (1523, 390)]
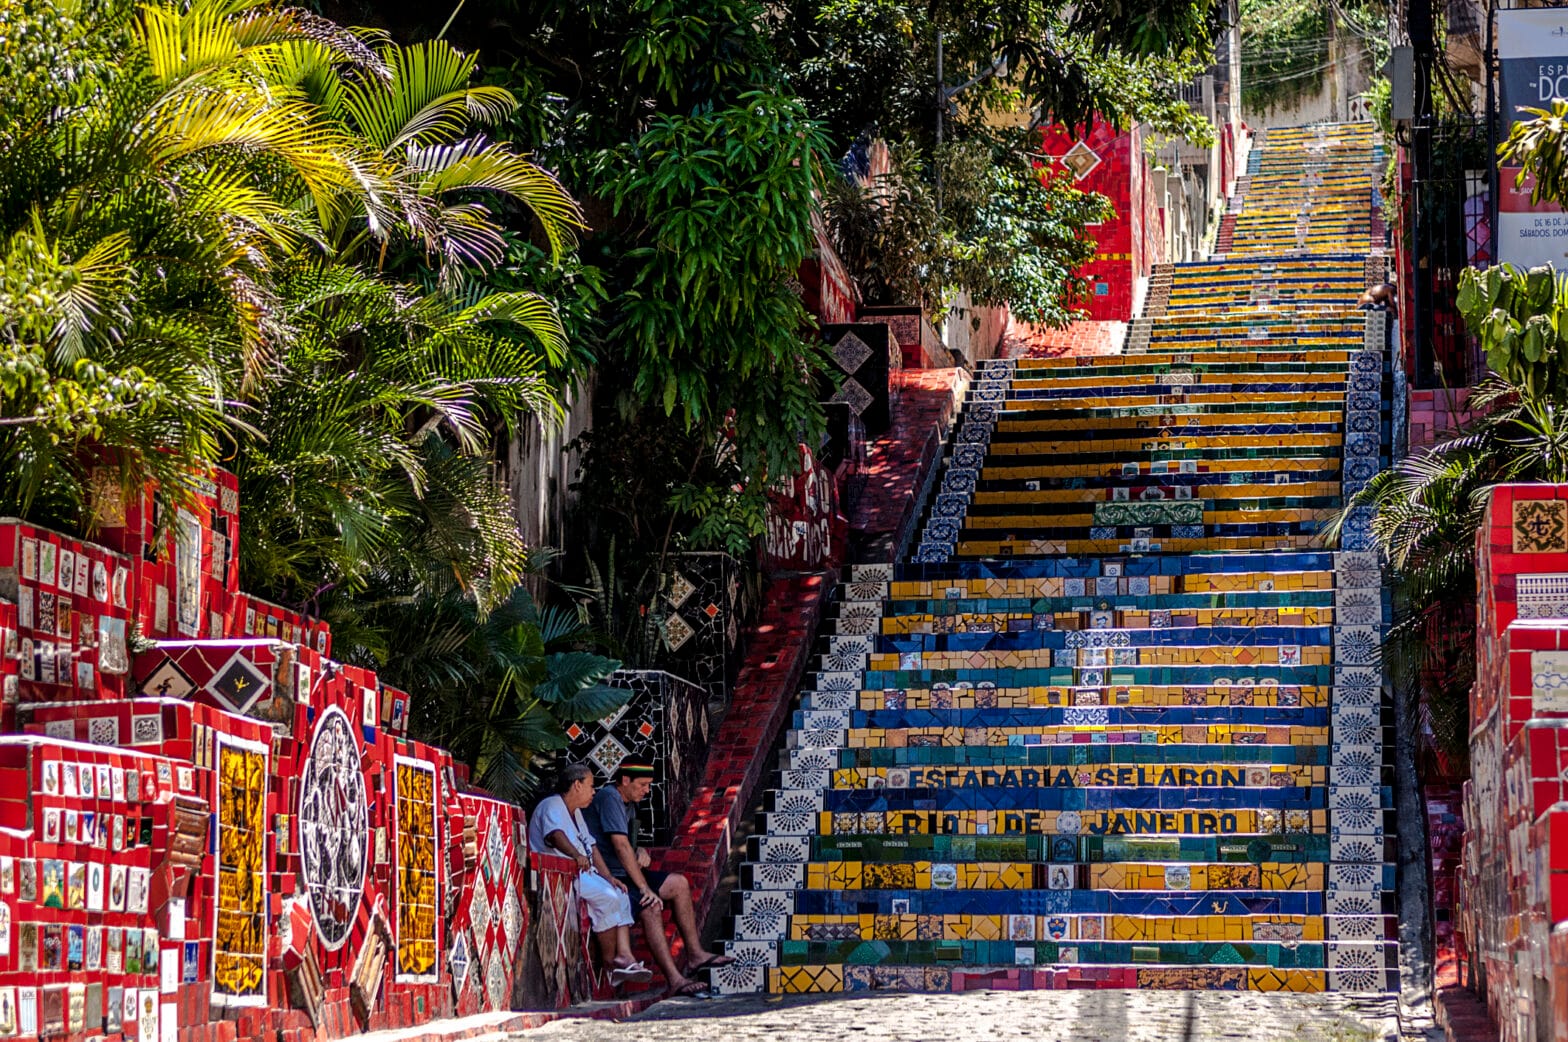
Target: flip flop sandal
[(712, 961), (692, 989), (636, 973)]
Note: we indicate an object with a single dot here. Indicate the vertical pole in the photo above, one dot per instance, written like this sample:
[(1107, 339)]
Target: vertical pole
[(1494, 130), (1424, 46), (941, 113)]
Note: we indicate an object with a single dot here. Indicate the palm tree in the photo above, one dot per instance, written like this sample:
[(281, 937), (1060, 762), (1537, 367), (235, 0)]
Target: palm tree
[(151, 176), (1427, 510), (374, 436), (421, 122)]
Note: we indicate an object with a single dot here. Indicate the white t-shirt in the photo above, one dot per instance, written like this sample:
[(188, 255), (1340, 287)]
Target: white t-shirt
[(552, 816)]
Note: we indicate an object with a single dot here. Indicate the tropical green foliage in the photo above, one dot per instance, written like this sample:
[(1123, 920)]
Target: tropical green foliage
[(237, 233), (1521, 318), (1539, 147), (527, 664), (721, 204), (1007, 231), (697, 133), (147, 187)]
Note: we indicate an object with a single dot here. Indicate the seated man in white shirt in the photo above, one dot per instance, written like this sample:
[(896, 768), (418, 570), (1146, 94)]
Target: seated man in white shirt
[(557, 827)]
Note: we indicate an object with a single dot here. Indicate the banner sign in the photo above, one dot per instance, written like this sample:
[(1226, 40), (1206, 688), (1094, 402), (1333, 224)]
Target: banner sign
[(1532, 51)]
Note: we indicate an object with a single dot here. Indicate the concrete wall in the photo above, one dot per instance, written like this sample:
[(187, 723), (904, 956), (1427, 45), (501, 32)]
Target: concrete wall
[(1337, 97)]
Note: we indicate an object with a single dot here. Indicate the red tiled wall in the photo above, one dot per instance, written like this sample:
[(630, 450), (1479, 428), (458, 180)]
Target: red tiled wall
[(1513, 881), (244, 715)]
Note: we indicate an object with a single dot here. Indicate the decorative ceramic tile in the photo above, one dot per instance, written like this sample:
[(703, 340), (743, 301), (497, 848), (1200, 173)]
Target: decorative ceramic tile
[(1542, 596), (1549, 681), (855, 396), (1540, 525)]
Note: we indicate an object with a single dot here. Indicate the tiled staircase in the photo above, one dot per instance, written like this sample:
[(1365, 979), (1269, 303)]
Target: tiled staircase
[(1119, 722)]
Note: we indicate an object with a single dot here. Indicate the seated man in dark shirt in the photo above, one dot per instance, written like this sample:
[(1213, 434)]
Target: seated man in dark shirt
[(613, 822)]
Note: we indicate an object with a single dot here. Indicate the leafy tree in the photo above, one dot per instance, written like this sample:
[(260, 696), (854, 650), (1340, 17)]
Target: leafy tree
[(720, 202), (150, 177), (1009, 232), (231, 231), (1517, 315)]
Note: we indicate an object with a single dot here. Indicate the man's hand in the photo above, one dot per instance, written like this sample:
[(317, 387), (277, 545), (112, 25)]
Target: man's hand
[(584, 864), (643, 860), (651, 900)]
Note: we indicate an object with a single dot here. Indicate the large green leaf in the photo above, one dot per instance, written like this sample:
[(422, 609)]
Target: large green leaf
[(591, 703), (570, 672)]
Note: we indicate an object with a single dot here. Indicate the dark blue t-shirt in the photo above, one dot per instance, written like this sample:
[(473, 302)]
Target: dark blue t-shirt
[(607, 816)]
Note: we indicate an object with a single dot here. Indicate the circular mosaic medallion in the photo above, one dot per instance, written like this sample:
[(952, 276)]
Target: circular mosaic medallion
[(334, 827)]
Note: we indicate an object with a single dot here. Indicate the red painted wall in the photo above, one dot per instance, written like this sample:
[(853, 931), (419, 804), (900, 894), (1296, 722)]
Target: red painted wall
[(1128, 245)]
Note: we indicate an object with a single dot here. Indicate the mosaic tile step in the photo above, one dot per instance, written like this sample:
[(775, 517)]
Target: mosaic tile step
[(1203, 367), (986, 695), (1195, 443), (1013, 474), (1126, 775), (1210, 505), (1249, 380), (1210, 521), (1116, 675), (1135, 613), (1281, 955), (1298, 847), (1078, 426), (1077, 754), (1124, 928), (904, 876), (917, 979), (1071, 676), (907, 577), (1161, 801), (1135, 545), (1251, 359), (1069, 901), (1143, 396), (1068, 716), (1048, 822), (1101, 636), (1154, 611)]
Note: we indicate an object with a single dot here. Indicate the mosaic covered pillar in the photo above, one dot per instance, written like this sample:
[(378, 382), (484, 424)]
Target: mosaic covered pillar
[(866, 353), (665, 724), (707, 604)]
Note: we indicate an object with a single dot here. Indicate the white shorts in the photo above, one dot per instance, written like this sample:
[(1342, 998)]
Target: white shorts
[(608, 907)]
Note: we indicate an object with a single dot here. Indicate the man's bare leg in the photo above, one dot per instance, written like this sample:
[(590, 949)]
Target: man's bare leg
[(652, 921), (676, 894), (606, 941)]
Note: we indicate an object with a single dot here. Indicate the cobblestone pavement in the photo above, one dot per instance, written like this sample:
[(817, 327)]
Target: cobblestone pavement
[(1040, 1016)]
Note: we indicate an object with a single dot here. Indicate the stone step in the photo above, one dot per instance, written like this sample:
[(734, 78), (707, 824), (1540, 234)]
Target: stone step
[(1369, 899), (765, 923), (909, 877), (1296, 847), (968, 776)]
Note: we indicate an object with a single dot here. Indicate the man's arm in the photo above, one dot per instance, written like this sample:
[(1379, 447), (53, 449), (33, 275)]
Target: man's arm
[(558, 840), (633, 865), (602, 868)]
